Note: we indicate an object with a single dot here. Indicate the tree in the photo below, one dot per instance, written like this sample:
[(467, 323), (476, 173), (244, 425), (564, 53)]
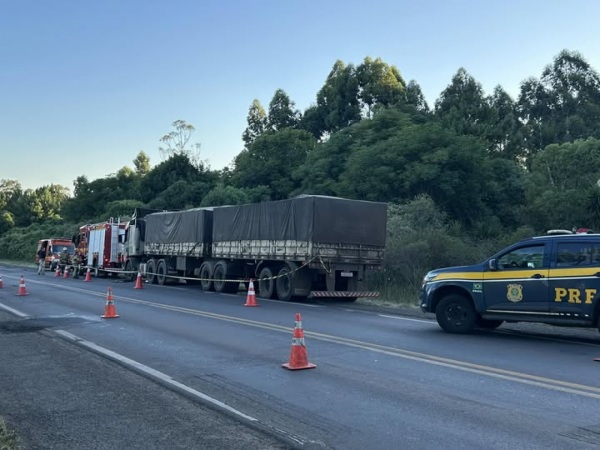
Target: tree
[(225, 195), (563, 105), (462, 106), (282, 112), (177, 143), (142, 164), (177, 168), (379, 84), (271, 161), (563, 184), (414, 96), (337, 100), (504, 132), (257, 123)]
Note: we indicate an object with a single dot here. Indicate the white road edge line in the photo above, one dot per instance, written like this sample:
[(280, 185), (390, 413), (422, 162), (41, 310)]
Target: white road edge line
[(14, 311), (152, 372), (405, 318)]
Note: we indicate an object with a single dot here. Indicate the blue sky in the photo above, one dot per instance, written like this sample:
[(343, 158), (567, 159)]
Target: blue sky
[(85, 86)]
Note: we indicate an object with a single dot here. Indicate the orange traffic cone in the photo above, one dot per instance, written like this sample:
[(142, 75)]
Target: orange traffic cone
[(66, 274), (57, 272), (298, 355), (251, 297), (1, 284), (139, 284), (22, 289), (88, 275), (109, 310)]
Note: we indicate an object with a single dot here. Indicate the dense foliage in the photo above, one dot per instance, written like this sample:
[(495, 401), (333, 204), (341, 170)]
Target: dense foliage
[(470, 174)]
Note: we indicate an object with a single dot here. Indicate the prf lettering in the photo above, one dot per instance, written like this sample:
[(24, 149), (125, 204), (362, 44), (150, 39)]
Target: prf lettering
[(574, 295)]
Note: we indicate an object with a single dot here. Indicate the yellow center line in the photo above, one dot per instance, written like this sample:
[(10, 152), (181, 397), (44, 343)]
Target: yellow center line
[(519, 377)]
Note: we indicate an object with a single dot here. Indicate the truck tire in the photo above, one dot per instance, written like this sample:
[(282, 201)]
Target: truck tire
[(488, 324), (206, 274), (161, 272), (151, 271), (266, 283), (456, 314), (221, 274), (284, 284), (129, 275)]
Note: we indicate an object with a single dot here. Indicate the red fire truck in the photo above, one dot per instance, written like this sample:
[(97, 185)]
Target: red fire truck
[(101, 246)]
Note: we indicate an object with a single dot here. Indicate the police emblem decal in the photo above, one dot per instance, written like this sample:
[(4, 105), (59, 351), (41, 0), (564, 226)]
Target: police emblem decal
[(514, 293)]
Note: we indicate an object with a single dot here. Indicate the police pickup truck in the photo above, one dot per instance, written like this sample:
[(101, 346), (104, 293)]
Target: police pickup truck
[(552, 279)]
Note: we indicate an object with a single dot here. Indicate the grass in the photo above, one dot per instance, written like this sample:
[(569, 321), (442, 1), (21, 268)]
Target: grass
[(8, 438)]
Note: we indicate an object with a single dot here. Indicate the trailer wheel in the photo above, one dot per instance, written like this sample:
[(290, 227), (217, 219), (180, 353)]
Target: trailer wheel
[(161, 272), (151, 271), (284, 284), (266, 283), (206, 273), (220, 275)]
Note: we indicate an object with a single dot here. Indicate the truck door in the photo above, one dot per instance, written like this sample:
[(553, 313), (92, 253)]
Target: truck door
[(519, 282), (575, 278)]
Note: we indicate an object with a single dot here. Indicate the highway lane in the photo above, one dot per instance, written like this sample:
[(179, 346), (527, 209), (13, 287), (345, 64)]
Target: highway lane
[(382, 381)]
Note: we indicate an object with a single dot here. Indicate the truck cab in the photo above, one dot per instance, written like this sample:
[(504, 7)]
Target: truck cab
[(552, 279), (54, 247)]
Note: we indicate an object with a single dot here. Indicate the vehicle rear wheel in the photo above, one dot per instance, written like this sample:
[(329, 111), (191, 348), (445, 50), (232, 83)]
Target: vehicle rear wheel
[(161, 272), (151, 271), (456, 314), (284, 284), (266, 283), (488, 324), (206, 274), (221, 274)]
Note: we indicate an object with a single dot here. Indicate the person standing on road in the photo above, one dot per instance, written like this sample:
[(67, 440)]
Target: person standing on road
[(76, 264), (64, 260), (42, 261)]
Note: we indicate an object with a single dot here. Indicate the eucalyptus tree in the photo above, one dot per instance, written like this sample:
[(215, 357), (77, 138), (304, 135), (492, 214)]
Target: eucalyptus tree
[(257, 123), (563, 105), (282, 112), (338, 100), (379, 84), (505, 130), (413, 95), (462, 106)]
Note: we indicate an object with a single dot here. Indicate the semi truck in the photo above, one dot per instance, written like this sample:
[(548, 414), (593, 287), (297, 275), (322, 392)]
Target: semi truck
[(307, 246)]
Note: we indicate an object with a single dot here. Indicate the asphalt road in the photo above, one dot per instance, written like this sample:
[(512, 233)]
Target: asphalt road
[(57, 395), (383, 380)]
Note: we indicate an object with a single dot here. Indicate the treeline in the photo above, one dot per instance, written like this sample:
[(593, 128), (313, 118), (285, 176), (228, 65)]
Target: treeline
[(463, 175)]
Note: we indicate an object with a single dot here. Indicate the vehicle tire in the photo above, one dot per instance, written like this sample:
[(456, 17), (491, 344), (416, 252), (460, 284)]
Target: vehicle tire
[(206, 274), (161, 272), (266, 283), (151, 271), (456, 314), (129, 275), (221, 274), (488, 324), (284, 284)]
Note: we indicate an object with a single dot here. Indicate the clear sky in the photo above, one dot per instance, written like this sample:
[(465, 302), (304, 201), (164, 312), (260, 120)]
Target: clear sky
[(85, 86)]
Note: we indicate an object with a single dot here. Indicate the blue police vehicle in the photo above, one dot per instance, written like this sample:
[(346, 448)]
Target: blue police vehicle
[(552, 279)]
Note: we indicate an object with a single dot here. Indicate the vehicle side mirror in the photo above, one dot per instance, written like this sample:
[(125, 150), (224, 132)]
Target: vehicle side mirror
[(493, 264)]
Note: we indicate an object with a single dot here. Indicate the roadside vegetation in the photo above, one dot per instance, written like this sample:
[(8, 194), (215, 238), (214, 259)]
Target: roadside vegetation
[(8, 438), (462, 178)]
